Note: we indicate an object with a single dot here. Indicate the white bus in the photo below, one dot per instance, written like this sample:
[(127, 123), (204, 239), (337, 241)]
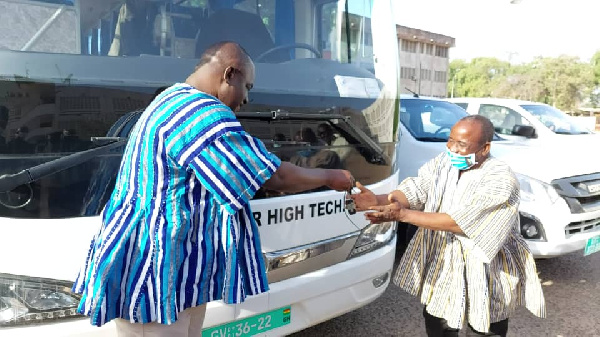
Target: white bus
[(74, 77)]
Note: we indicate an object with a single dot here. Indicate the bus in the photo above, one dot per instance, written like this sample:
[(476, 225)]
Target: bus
[(75, 76)]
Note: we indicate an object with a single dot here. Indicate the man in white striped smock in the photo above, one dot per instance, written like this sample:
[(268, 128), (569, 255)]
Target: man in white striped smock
[(178, 230), (467, 260)]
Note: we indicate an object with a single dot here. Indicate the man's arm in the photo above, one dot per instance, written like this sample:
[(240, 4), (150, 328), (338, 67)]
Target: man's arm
[(291, 178), (433, 221), (397, 211), (397, 196)]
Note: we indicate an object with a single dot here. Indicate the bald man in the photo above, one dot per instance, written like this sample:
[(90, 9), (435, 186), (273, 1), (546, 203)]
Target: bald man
[(467, 261), (178, 231)]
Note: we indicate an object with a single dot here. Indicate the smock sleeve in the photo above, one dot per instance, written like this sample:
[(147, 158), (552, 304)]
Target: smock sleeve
[(416, 189)]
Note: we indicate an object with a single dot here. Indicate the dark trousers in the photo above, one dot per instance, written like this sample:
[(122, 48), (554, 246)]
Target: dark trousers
[(438, 327)]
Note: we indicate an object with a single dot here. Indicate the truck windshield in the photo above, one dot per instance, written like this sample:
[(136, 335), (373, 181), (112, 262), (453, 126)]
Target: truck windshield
[(78, 74), (555, 120)]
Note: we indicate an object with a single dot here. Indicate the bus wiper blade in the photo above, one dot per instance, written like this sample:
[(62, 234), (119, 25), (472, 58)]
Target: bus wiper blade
[(324, 115), (286, 115), (9, 182)]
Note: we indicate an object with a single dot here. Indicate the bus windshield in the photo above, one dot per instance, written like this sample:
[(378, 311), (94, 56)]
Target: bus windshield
[(77, 74)]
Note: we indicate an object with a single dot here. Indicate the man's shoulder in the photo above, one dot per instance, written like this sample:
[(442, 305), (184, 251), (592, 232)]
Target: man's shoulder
[(207, 101), (207, 109), (495, 164), (193, 96), (497, 170)]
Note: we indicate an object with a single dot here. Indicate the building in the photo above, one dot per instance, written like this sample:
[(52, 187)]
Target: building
[(424, 61)]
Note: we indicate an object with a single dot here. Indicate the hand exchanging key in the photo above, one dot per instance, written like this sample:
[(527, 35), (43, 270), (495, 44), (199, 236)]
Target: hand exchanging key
[(349, 202)]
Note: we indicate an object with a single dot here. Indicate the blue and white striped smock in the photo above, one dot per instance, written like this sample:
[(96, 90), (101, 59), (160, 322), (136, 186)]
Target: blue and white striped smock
[(178, 231)]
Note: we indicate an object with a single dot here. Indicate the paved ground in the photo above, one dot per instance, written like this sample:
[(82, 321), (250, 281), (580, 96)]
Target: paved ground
[(571, 286)]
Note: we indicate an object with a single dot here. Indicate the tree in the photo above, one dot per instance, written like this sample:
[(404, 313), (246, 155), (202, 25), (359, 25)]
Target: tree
[(595, 63), (522, 82), (567, 81), (475, 79), (595, 92), (564, 81), (456, 82)]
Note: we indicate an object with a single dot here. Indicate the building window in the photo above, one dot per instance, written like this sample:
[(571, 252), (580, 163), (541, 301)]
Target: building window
[(426, 48), (440, 76), (409, 46), (441, 52), (408, 73), (425, 74)]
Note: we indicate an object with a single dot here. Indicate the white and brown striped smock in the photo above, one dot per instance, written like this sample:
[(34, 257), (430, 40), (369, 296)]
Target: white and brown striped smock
[(482, 275)]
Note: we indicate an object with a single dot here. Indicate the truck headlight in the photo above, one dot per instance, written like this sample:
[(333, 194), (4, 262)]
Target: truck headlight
[(27, 300), (535, 190), (531, 227), (372, 237)]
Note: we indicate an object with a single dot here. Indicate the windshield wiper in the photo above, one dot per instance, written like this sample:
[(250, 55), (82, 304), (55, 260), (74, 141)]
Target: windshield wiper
[(9, 182), (344, 123), (432, 139)]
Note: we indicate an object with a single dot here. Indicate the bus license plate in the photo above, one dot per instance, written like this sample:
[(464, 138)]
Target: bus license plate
[(252, 325), (592, 245)]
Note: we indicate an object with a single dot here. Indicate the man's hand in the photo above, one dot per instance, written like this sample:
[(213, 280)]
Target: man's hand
[(365, 199), (392, 212), (339, 180)]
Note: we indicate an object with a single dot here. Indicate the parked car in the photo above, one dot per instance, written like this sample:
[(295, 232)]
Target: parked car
[(520, 120), (560, 182)]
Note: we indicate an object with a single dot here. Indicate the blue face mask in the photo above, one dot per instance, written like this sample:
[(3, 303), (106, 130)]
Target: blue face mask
[(461, 162)]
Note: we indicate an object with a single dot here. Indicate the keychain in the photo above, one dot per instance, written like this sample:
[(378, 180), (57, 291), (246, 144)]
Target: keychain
[(349, 202), (350, 207)]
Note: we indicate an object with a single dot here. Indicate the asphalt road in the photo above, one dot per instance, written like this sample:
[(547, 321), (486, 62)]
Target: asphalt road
[(571, 286)]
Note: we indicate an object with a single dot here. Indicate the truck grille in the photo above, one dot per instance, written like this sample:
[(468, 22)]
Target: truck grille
[(582, 227), (582, 193)]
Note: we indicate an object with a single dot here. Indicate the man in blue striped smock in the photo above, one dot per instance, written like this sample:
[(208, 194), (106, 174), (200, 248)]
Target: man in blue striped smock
[(467, 260), (178, 230)]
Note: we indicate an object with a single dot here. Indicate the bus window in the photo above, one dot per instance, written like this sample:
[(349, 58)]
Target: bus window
[(313, 74)]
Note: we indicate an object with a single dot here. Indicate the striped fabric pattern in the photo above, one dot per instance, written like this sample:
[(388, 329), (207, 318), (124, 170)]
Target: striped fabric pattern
[(484, 274), (178, 230)]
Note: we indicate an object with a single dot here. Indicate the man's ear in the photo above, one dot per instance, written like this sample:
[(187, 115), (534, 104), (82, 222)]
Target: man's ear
[(486, 149), (228, 74)]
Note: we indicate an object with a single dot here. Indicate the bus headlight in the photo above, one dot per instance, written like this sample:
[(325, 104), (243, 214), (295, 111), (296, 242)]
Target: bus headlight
[(372, 237), (26, 300)]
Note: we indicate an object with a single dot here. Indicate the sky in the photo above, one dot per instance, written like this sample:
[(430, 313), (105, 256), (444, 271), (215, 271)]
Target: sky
[(512, 32)]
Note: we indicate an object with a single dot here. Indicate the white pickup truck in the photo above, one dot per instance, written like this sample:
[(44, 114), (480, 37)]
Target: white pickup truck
[(558, 171)]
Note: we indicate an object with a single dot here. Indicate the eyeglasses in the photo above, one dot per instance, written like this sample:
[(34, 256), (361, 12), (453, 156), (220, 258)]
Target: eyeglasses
[(461, 146)]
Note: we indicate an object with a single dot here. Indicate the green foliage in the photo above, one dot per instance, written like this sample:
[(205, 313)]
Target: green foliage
[(564, 81), (595, 63), (475, 79), (595, 94)]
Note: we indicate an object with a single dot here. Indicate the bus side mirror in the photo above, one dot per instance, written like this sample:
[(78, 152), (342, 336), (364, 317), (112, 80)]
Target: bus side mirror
[(526, 131)]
